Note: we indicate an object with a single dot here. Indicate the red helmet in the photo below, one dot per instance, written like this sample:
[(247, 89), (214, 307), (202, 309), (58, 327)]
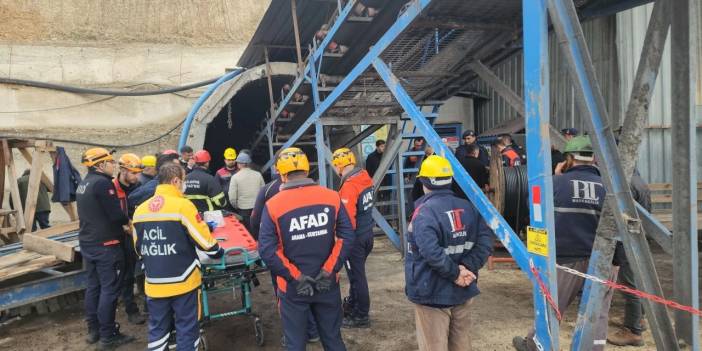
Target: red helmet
[(202, 156), (169, 152)]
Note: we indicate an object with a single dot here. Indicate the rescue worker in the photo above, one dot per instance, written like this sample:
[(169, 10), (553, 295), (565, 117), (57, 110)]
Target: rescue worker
[(510, 156), (243, 187), (149, 171), (167, 232), (201, 187), (578, 196), (100, 236), (447, 244), (469, 138), (224, 174), (305, 237), (127, 180), (356, 194), (186, 158), (264, 194), (43, 206)]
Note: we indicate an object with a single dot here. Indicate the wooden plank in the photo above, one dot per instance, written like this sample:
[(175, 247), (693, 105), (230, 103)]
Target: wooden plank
[(666, 186), (30, 202), (45, 246), (14, 189), (2, 178), (58, 229), (668, 198), (44, 178), (18, 258), (28, 267)]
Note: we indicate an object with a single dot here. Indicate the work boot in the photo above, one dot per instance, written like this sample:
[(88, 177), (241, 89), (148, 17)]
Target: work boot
[(136, 318), (625, 337), (93, 335), (356, 322), (313, 339), (521, 343), (117, 339), (346, 306)]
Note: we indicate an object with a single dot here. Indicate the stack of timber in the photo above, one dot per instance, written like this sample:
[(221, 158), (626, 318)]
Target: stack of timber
[(662, 203)]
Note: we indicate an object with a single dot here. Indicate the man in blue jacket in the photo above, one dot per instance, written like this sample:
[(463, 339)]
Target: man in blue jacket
[(147, 190), (447, 244), (578, 196)]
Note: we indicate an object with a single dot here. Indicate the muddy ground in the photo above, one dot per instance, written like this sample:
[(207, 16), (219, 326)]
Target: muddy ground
[(502, 311)]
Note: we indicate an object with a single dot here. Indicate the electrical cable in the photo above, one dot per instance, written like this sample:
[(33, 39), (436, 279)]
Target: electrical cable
[(516, 194), (80, 90), (89, 143)]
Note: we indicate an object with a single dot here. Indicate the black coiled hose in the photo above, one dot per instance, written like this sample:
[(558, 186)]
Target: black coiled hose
[(516, 190)]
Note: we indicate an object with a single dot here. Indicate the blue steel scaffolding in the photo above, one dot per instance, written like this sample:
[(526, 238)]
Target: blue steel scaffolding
[(415, 58)]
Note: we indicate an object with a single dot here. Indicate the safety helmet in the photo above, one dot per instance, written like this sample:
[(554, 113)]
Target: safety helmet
[(148, 161), (292, 159), (169, 152), (435, 172), (580, 147), (230, 154), (131, 162), (343, 157), (202, 156), (93, 156)]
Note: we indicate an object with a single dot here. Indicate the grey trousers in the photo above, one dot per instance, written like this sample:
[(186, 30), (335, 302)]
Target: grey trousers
[(569, 286), (443, 329)]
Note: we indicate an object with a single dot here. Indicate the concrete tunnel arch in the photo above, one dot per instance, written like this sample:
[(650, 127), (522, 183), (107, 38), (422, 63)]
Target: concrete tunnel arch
[(247, 95)]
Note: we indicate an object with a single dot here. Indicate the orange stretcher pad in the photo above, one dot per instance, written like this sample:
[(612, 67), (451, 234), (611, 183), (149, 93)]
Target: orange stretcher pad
[(232, 234)]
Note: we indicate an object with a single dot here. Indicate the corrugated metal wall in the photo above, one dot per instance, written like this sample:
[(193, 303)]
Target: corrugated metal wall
[(615, 45)]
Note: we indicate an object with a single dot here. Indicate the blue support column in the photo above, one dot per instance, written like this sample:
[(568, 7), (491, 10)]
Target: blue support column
[(318, 127), (536, 92), (499, 226)]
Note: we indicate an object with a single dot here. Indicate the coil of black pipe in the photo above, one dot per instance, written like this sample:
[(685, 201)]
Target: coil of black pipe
[(516, 197)]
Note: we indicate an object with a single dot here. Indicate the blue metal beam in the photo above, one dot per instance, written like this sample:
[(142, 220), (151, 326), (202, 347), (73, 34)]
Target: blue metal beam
[(589, 97), (537, 114), (42, 289), (387, 228), (492, 217), (414, 8)]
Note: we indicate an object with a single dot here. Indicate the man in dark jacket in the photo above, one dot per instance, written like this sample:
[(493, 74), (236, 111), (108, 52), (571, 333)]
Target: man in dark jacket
[(469, 139), (447, 244), (373, 159), (66, 178), (43, 209), (578, 196), (201, 187), (102, 225)]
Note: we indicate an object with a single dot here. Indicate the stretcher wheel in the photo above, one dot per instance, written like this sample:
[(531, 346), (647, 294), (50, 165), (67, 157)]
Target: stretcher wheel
[(258, 328)]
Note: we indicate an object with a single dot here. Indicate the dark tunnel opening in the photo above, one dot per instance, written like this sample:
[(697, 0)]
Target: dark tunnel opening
[(238, 123)]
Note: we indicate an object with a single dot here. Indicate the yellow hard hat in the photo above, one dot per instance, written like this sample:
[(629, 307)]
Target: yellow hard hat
[(343, 157), (230, 154), (93, 156), (131, 162), (292, 159), (435, 166), (148, 161)]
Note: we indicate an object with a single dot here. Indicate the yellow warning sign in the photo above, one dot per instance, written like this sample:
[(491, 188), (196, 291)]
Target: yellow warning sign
[(537, 241)]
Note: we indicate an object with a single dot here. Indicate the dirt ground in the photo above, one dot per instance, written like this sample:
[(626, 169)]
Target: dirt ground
[(502, 311)]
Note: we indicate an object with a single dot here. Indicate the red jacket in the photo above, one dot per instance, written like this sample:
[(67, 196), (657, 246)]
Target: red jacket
[(357, 196)]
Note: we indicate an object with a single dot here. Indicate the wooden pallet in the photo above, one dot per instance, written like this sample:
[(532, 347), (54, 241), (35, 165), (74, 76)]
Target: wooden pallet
[(23, 262)]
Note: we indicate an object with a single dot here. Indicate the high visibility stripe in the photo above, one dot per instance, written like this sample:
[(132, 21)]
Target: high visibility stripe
[(334, 257), (159, 342), (577, 210), (456, 249), (177, 217), (178, 279)]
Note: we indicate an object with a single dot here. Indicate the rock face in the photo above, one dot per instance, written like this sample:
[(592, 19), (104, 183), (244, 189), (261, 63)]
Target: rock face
[(115, 44)]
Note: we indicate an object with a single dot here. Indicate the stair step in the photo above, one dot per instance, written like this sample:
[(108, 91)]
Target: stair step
[(333, 55), (429, 115), (413, 153), (359, 19), (309, 143), (405, 171)]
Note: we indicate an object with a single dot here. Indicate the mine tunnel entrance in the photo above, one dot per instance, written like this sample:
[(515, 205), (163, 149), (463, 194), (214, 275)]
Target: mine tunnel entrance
[(238, 123)]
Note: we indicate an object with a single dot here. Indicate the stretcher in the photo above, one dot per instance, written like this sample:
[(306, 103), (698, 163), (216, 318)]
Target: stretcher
[(233, 273)]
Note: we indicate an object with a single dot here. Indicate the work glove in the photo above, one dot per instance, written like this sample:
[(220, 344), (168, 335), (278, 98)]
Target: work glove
[(324, 281), (305, 285)]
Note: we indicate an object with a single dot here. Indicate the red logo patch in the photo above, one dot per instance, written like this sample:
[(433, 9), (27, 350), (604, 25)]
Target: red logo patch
[(198, 218), (156, 203)]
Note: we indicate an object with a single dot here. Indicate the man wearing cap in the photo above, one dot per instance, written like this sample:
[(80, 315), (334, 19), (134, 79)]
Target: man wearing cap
[(469, 138), (201, 187), (149, 171), (100, 236), (356, 193), (447, 244), (244, 187), (578, 196)]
